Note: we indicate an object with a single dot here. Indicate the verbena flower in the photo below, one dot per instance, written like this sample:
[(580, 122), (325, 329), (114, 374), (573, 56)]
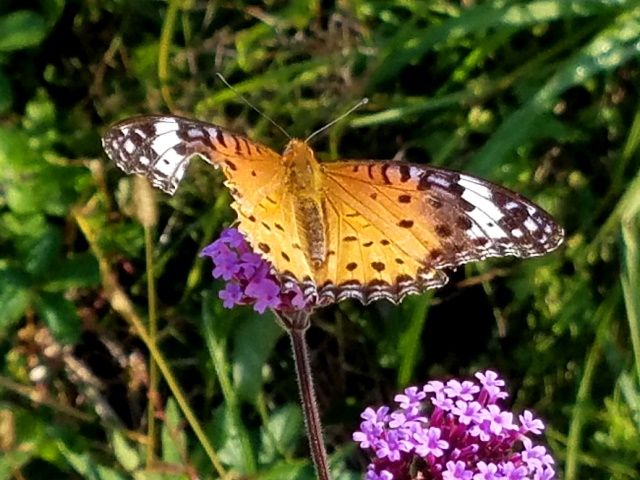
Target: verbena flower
[(453, 431), (250, 280)]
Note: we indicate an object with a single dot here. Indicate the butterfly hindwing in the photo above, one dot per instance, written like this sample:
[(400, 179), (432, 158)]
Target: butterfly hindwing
[(368, 260), (406, 221)]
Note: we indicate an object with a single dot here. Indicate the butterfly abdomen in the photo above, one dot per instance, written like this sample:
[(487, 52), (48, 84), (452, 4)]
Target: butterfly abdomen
[(311, 226)]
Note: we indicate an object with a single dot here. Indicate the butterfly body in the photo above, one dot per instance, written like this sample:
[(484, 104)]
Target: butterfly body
[(358, 228), (304, 183)]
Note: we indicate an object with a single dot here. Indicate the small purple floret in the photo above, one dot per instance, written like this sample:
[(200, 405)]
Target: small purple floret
[(250, 279), (453, 431)]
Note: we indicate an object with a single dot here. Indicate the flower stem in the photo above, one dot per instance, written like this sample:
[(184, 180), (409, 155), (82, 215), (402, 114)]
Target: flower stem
[(296, 326)]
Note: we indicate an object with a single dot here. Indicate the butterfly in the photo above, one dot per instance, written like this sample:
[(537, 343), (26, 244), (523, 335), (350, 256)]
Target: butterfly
[(361, 229)]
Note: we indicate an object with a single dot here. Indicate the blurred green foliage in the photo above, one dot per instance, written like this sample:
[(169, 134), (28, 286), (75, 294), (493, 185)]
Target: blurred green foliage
[(541, 96)]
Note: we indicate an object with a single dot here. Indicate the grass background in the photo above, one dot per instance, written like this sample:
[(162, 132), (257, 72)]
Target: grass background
[(541, 96)]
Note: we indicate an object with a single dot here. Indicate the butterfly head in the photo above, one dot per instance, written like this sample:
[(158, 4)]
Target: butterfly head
[(302, 167), (298, 148)]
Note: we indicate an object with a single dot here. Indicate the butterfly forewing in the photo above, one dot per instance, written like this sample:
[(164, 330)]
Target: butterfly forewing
[(160, 147)]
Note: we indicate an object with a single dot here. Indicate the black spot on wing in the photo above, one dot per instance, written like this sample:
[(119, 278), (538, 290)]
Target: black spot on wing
[(220, 138), (383, 172), (405, 173), (378, 266)]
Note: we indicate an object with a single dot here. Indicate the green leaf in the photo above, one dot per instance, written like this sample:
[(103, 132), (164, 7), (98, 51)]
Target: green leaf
[(60, 315), (52, 9), (125, 454), (42, 252), (30, 433), (254, 341), (288, 470), (21, 29), (15, 154), (218, 327), (226, 438), (86, 465), (150, 475), (47, 188), (40, 113), (78, 271), (282, 433), (173, 436), (14, 298), (13, 225), (32, 184)]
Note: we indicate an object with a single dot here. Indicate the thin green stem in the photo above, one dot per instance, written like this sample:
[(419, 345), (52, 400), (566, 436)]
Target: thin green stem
[(168, 376), (166, 37), (153, 334), (122, 304)]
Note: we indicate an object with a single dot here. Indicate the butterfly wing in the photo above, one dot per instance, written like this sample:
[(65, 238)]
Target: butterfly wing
[(391, 227), (161, 146), (395, 225)]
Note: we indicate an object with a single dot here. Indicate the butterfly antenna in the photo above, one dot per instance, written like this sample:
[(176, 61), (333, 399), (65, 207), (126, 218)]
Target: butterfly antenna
[(224, 80), (364, 101)]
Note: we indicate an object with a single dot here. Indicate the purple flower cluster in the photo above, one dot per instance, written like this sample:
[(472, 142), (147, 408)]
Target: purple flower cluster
[(453, 431), (250, 279)]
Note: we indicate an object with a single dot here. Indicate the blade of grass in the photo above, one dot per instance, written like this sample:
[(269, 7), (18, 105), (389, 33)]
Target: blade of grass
[(630, 279), (412, 106), (627, 206), (410, 340), (582, 407), (166, 37), (633, 140), (629, 390), (630, 200), (608, 50), (411, 44), (470, 96), (291, 75)]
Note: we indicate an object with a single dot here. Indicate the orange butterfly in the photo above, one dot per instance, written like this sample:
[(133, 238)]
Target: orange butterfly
[(358, 228)]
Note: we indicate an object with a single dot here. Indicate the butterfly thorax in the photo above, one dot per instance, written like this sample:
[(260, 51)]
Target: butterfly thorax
[(304, 180)]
